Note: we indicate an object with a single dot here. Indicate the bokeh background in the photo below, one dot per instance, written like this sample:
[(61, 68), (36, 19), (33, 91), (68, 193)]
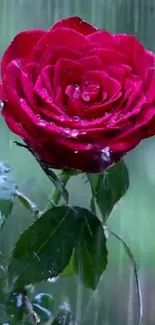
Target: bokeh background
[(114, 302)]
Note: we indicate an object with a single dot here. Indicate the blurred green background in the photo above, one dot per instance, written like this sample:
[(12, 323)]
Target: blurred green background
[(114, 302)]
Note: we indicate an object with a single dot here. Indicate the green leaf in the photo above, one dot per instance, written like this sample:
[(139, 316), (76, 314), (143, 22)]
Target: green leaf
[(7, 193), (69, 269), (90, 258), (109, 187), (44, 250)]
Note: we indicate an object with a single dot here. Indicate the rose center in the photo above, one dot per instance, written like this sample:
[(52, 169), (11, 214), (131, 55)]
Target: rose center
[(87, 93)]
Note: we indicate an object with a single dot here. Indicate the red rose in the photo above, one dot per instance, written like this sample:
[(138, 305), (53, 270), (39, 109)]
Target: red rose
[(80, 98)]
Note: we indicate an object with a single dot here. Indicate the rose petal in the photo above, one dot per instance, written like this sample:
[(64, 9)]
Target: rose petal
[(129, 139), (53, 53), (14, 126), (104, 39), (149, 77), (47, 76), (108, 56), (46, 100), (134, 52), (64, 36), (12, 87), (91, 63), (28, 79), (64, 69), (77, 24), (21, 47)]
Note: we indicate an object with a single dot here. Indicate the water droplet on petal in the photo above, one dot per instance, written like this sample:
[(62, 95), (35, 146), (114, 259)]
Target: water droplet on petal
[(76, 118), (105, 154), (67, 131), (89, 146), (76, 151), (42, 123), (1, 105), (85, 96), (74, 133), (62, 118)]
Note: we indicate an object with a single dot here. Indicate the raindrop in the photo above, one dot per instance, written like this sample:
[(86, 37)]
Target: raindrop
[(89, 146), (67, 131), (42, 123), (83, 132), (105, 154), (85, 97), (76, 151), (36, 256), (74, 133), (62, 118), (77, 87), (76, 118), (53, 279), (1, 105), (19, 300)]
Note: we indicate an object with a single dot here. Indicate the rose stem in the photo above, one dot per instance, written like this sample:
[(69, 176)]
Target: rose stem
[(56, 194)]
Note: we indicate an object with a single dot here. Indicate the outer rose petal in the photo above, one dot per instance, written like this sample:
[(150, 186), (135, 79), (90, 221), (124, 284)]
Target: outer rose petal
[(134, 51), (104, 39), (64, 36), (77, 24), (21, 46)]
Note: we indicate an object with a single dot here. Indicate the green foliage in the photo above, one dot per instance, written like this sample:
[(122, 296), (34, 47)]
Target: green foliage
[(45, 249), (7, 193), (90, 258), (41, 252), (109, 187)]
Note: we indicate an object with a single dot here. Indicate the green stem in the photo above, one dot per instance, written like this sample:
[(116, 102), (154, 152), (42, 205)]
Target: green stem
[(56, 194)]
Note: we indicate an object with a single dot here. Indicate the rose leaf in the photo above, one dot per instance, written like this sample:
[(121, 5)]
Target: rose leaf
[(109, 187), (90, 257), (44, 249)]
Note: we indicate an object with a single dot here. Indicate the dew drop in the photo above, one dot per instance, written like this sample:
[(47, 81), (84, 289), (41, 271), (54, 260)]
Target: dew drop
[(89, 146), (83, 132), (1, 105), (76, 151), (67, 131), (42, 123), (62, 118), (85, 97), (76, 118), (105, 154), (74, 133), (53, 280)]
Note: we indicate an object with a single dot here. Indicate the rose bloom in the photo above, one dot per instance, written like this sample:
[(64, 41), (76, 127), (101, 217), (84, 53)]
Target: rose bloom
[(79, 97)]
